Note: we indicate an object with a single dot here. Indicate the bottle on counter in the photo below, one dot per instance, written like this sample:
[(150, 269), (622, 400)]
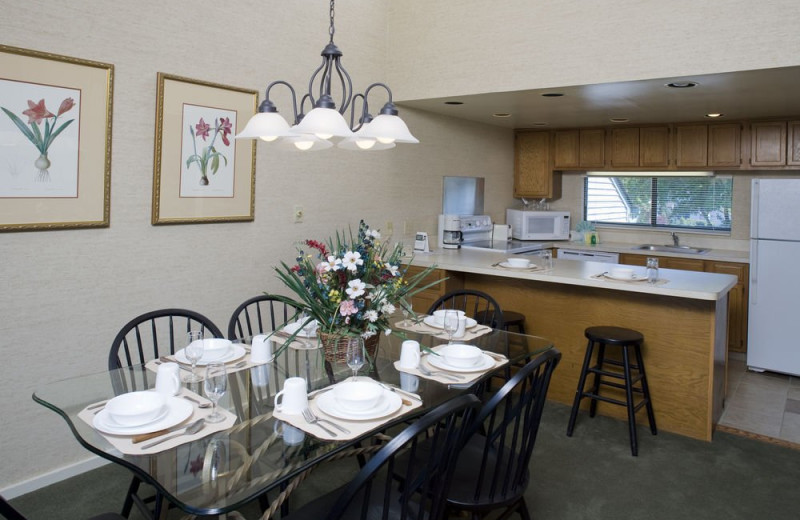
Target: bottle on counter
[(652, 270)]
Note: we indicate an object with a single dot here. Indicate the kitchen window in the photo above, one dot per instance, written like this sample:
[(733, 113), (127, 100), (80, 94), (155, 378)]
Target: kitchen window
[(659, 201)]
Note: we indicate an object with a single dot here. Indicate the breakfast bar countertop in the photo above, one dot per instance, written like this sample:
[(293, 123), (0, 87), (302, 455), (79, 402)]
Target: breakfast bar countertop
[(673, 282)]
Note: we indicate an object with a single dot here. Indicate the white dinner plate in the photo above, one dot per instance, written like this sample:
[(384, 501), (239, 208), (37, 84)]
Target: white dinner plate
[(389, 403), (509, 266), (178, 410), (634, 278), (431, 320), (484, 362), (235, 353)]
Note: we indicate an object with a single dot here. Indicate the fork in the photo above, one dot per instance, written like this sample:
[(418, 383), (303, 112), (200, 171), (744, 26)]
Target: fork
[(310, 418), (445, 375)]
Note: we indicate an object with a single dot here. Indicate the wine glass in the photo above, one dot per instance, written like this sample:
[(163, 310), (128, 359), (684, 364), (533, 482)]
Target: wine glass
[(450, 324), (355, 354), (194, 351), (215, 385)]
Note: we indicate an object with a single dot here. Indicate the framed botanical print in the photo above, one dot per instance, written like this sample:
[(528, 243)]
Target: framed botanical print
[(55, 141), (201, 173)]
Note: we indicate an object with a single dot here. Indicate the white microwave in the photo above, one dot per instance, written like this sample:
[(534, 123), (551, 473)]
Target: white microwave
[(538, 225)]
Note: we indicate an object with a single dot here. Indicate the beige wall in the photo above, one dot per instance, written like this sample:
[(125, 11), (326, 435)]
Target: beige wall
[(64, 294), (455, 47)]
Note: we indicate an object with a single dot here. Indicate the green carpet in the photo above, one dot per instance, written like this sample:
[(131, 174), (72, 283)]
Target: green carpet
[(589, 476)]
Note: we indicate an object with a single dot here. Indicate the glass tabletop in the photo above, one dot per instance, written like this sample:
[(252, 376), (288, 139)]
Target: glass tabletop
[(225, 470)]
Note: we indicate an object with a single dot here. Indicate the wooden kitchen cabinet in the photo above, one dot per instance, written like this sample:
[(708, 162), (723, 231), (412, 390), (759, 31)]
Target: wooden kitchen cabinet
[(645, 147), (737, 298), (724, 145), (793, 144), (691, 146), (533, 166), (579, 148), (768, 143), (737, 302)]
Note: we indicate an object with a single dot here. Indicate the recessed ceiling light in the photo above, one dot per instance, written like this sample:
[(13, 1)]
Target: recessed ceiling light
[(453, 102), (501, 114), (552, 94), (619, 119), (714, 115), (682, 84)]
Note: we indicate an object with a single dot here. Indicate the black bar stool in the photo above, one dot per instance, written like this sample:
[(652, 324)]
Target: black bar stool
[(626, 339)]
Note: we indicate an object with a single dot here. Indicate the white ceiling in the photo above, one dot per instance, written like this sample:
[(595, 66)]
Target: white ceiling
[(738, 95)]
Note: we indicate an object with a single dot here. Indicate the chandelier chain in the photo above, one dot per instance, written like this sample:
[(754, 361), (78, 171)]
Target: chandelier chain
[(331, 29)]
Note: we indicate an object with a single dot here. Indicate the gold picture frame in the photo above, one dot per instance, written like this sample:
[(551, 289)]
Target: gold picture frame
[(201, 173), (55, 166)]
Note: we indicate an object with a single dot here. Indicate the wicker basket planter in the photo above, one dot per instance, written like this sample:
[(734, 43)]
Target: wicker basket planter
[(335, 347)]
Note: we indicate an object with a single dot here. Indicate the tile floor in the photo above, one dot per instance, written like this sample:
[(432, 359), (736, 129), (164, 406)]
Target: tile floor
[(764, 403)]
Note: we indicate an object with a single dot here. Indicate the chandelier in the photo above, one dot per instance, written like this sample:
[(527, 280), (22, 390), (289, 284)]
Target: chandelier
[(314, 131)]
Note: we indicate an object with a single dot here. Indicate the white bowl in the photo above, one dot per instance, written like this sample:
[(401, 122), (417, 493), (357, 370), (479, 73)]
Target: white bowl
[(460, 355), (623, 273), (438, 316), (357, 396), (215, 348), (135, 408), (518, 262)]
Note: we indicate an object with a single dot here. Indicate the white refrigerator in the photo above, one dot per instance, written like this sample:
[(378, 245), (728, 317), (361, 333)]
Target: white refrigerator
[(773, 338)]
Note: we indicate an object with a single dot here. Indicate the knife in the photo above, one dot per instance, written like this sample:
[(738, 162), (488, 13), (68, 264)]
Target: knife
[(145, 436)]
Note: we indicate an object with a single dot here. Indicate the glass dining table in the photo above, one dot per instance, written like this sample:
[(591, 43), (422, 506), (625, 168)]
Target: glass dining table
[(259, 454)]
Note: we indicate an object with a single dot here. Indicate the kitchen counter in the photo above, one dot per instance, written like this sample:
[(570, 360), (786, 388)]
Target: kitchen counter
[(684, 323), (682, 284)]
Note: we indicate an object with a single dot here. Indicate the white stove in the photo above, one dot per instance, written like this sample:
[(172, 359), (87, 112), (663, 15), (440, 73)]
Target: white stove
[(477, 233)]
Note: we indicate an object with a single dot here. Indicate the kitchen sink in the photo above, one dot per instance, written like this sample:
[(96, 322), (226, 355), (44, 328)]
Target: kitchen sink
[(671, 249)]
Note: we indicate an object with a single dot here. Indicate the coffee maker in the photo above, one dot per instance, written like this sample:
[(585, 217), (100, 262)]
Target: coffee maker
[(451, 235)]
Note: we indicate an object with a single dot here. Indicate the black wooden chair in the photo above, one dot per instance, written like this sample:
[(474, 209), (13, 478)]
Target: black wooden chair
[(144, 338), (475, 304), (374, 494), (259, 314), (8, 512), (492, 468)]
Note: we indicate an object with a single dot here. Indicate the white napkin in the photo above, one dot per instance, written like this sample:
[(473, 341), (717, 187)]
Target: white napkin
[(309, 330)]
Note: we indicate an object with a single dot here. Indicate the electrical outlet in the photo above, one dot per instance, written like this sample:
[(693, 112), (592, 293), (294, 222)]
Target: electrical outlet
[(298, 214), (389, 228)]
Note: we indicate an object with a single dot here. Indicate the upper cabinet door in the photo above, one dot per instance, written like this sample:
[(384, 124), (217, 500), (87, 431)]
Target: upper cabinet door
[(691, 146), (533, 166), (624, 147), (724, 145), (593, 148), (793, 153), (566, 149), (654, 147), (768, 143)]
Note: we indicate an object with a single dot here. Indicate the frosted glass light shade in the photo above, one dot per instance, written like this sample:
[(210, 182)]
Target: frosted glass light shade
[(363, 144), (265, 125), (324, 123), (388, 129), (304, 143)]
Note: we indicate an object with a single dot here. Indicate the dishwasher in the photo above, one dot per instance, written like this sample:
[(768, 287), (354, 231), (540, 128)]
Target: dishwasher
[(588, 256)]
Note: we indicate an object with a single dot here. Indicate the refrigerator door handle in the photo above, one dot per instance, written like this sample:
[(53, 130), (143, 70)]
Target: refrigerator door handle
[(753, 289), (754, 209)]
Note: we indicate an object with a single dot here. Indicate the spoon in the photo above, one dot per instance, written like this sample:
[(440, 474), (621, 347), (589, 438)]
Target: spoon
[(199, 404), (193, 428)]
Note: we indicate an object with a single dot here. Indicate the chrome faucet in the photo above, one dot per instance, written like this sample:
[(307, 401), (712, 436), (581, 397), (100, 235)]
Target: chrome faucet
[(676, 241)]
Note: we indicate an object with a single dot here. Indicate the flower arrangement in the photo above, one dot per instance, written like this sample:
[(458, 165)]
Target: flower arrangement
[(37, 112), (350, 285), (210, 156)]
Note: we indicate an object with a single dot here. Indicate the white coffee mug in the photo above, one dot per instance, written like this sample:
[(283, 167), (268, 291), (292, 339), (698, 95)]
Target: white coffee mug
[(261, 350), (168, 379), (259, 376), (462, 327), (291, 436), (293, 399), (409, 382), (409, 354)]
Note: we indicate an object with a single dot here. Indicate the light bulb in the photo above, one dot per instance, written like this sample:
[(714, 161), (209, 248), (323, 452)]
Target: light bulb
[(324, 136), (268, 138), (385, 140), (304, 145), (365, 144)]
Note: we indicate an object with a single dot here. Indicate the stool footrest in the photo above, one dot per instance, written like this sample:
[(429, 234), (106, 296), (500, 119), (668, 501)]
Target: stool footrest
[(617, 375), (611, 400)]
